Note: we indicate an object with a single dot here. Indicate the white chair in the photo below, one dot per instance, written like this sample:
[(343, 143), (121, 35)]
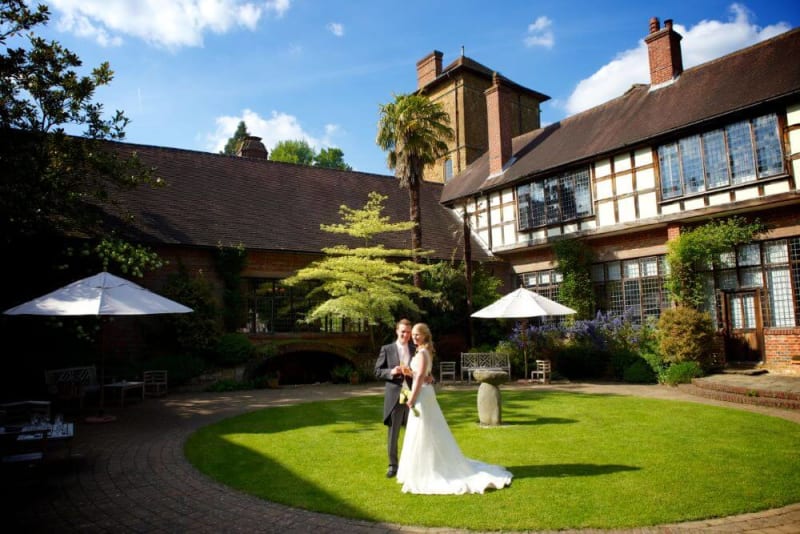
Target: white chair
[(155, 382), (542, 372), (447, 369)]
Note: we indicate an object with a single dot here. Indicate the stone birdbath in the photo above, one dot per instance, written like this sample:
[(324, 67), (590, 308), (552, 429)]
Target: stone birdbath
[(489, 403)]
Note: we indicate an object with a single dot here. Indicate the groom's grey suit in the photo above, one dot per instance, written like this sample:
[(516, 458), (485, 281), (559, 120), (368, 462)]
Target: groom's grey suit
[(394, 413)]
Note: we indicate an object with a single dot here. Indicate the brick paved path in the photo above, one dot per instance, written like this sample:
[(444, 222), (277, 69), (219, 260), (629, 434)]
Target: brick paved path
[(134, 477)]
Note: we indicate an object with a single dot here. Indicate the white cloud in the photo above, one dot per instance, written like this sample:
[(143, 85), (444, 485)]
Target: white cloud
[(707, 40), (169, 24), (278, 126), (540, 34), (336, 29)]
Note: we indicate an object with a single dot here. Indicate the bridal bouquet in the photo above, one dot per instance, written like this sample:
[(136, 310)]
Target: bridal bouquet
[(405, 393)]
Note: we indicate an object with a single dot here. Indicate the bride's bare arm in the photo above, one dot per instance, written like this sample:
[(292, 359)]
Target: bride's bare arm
[(419, 380)]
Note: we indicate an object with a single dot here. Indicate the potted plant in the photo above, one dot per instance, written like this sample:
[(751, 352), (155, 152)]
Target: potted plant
[(355, 377), (272, 378)]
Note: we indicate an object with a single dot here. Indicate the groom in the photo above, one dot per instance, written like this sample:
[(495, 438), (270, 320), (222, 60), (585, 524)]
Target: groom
[(387, 368)]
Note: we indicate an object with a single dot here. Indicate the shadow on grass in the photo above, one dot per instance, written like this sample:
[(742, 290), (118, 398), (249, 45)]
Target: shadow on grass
[(568, 470)]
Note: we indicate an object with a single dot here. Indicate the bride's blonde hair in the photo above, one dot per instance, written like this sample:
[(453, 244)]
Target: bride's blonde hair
[(427, 337)]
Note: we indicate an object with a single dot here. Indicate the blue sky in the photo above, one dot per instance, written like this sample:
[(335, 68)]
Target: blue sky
[(187, 71)]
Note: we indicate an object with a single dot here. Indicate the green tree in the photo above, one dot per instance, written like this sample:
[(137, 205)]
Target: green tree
[(414, 132), (293, 151), (574, 260), (367, 283), (331, 158), (52, 182), (235, 142)]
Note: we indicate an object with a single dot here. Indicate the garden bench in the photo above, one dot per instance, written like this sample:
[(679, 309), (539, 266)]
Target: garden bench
[(470, 361)]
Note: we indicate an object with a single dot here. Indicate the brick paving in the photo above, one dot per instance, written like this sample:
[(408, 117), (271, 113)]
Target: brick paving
[(131, 474)]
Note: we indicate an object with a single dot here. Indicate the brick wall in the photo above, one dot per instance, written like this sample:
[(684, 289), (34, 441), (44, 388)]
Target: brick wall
[(782, 350)]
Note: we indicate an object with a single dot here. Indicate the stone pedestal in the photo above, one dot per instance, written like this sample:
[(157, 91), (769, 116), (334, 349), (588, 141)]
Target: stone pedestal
[(490, 405)]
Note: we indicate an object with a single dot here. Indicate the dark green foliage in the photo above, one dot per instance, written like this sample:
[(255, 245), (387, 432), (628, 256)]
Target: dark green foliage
[(341, 373), (233, 349), (639, 372), (695, 250), (235, 142), (682, 373), (448, 313), (686, 335), (331, 158), (181, 368), (229, 263), (574, 259), (196, 333), (581, 360)]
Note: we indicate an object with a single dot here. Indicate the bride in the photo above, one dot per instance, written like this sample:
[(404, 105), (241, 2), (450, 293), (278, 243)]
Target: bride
[(431, 461)]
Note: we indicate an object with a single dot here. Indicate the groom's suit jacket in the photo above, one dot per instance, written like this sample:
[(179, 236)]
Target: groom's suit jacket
[(388, 359)]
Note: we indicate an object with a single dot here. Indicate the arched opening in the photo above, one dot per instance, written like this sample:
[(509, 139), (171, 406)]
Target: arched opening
[(302, 367)]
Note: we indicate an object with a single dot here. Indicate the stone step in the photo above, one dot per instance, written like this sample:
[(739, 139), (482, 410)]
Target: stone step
[(741, 395)]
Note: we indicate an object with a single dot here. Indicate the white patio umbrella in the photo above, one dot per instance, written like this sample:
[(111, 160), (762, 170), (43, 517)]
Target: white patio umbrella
[(522, 304), (102, 295)]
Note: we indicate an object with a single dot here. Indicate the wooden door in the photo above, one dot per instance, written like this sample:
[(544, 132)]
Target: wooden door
[(743, 325)]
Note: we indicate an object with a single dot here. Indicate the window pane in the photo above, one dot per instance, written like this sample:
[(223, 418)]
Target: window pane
[(751, 277), (727, 279), (740, 145), (768, 146), (692, 164), (776, 252), (650, 267), (670, 171), (715, 158), (567, 194), (727, 259), (614, 271), (631, 269), (583, 197), (632, 304), (780, 297), (749, 254), (537, 204), (524, 206), (551, 200)]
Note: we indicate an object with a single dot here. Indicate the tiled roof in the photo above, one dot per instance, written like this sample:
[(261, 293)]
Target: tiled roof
[(469, 64), (211, 199), (760, 75)]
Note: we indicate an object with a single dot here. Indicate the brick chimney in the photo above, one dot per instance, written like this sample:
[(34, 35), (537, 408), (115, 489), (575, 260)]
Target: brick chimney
[(664, 52), (498, 118), (252, 147), (429, 68)]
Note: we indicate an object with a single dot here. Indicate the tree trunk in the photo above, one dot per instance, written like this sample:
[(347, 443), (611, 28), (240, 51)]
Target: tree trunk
[(466, 234), (416, 232)]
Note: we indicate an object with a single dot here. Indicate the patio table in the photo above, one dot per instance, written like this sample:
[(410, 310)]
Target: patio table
[(124, 386)]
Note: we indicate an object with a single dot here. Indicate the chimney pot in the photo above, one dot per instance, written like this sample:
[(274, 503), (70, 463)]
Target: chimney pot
[(654, 25), (252, 147)]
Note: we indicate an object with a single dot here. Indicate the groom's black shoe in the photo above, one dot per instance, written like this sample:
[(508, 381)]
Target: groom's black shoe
[(391, 472)]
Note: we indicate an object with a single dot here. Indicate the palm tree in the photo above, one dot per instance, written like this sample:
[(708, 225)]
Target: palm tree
[(414, 131)]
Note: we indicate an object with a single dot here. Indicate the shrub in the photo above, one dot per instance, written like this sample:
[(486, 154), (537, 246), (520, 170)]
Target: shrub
[(686, 335), (682, 373), (578, 360), (639, 372), (233, 349), (341, 373)]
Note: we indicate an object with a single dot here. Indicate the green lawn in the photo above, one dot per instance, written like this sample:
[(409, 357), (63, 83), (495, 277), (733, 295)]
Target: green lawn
[(579, 461)]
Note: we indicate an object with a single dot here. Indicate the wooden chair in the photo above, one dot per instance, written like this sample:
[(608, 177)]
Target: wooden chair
[(155, 383), (447, 369), (542, 372)]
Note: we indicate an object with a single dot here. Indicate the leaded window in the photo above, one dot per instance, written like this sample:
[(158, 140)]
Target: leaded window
[(736, 154), (554, 199)]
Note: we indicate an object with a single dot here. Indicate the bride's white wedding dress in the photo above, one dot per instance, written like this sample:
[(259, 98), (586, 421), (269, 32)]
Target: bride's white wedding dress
[(431, 461)]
